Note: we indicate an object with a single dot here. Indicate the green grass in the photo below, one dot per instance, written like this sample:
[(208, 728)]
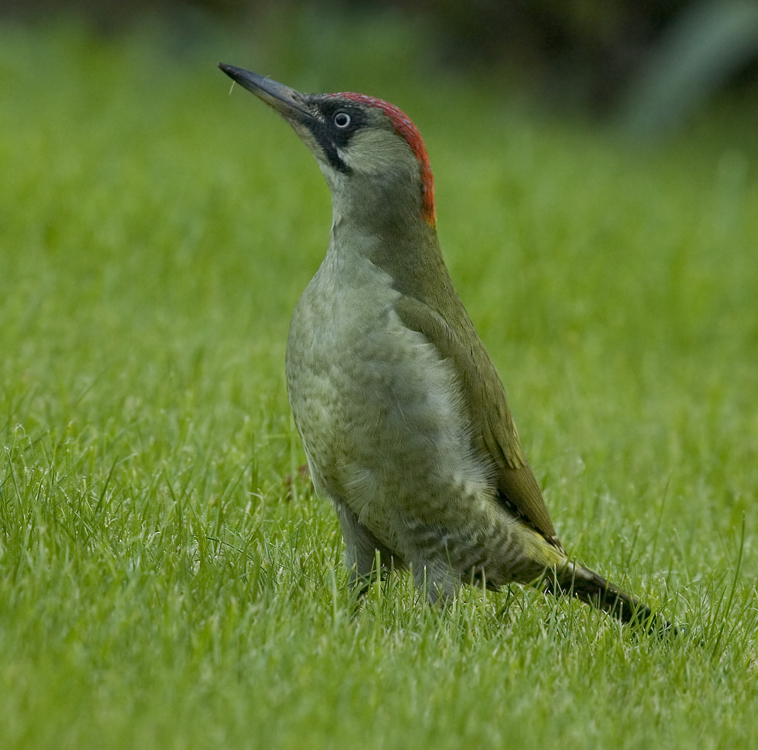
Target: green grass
[(169, 580)]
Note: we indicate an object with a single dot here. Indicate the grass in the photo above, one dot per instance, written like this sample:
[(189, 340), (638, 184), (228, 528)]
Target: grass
[(168, 578)]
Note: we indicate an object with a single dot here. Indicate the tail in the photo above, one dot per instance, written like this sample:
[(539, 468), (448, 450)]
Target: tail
[(593, 589)]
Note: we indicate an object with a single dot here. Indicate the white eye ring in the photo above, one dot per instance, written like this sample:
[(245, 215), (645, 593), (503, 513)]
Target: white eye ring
[(342, 120)]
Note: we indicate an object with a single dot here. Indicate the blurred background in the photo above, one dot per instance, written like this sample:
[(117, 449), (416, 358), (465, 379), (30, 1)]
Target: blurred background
[(648, 65)]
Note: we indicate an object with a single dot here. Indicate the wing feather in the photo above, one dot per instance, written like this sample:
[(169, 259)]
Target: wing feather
[(489, 414)]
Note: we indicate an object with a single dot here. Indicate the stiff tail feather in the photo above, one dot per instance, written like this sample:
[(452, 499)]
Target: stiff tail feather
[(591, 588)]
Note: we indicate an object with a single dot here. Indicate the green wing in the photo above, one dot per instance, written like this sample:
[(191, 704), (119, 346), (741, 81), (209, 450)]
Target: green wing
[(489, 413)]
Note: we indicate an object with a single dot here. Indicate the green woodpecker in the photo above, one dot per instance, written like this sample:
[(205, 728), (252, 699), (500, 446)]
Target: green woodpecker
[(402, 414)]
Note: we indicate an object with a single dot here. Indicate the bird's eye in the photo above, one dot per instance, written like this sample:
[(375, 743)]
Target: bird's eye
[(342, 120)]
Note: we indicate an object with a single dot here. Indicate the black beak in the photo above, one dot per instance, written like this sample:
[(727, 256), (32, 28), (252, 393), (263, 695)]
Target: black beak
[(282, 98)]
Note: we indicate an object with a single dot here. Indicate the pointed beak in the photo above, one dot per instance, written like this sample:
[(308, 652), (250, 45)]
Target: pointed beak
[(285, 100)]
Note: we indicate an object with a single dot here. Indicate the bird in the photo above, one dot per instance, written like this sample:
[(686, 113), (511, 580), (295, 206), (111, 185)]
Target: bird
[(402, 414)]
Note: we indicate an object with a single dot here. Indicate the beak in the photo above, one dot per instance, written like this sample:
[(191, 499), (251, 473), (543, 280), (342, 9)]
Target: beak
[(285, 100)]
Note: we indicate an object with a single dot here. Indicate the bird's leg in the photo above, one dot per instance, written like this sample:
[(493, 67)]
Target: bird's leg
[(434, 574), (435, 581), (365, 556)]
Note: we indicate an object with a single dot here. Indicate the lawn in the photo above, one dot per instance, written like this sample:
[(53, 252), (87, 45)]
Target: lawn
[(168, 579)]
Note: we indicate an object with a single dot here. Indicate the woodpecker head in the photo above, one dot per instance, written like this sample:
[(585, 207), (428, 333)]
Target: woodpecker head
[(371, 154)]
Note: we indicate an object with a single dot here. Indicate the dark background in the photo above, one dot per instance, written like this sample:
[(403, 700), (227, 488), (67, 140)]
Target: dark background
[(649, 64)]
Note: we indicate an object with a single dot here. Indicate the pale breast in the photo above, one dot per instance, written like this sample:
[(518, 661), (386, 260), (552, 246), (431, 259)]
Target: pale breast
[(379, 411)]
